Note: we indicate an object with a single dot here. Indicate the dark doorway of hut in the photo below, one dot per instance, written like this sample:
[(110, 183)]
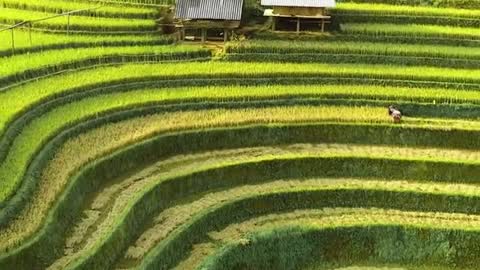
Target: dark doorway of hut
[(204, 34)]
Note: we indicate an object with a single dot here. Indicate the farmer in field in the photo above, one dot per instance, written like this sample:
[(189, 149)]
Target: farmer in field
[(395, 114)]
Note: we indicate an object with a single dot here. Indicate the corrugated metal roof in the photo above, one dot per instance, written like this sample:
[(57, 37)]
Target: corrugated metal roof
[(299, 3), (209, 9)]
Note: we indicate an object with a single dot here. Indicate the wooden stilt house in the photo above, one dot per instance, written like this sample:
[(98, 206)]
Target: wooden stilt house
[(299, 11), (208, 14)]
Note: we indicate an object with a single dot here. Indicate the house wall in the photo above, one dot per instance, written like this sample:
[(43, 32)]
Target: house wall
[(303, 11)]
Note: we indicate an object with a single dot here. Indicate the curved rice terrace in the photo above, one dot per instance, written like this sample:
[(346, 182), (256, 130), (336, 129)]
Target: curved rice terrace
[(122, 147)]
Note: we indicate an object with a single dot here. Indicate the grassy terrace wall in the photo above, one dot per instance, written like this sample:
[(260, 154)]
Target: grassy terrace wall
[(313, 246), (122, 149)]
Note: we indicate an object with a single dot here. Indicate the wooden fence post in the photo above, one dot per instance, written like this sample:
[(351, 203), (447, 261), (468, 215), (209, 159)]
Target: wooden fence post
[(298, 25), (204, 35), (225, 35), (68, 24), (13, 41), (30, 33)]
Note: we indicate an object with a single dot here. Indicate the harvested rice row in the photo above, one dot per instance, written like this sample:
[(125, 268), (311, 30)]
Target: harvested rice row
[(119, 192), (411, 226), (172, 218), (298, 197), (101, 221)]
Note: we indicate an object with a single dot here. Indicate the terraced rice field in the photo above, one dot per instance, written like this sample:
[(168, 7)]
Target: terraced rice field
[(121, 148)]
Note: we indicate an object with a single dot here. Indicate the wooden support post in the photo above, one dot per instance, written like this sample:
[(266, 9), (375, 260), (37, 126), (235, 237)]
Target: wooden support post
[(30, 33), (225, 35), (323, 25), (13, 41), (298, 25), (204, 35), (184, 33), (274, 23), (68, 24)]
